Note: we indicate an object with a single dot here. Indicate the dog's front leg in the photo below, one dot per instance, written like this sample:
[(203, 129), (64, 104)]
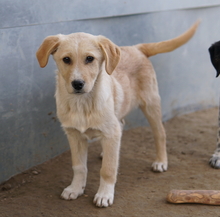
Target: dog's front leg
[(108, 173), (215, 159), (79, 148)]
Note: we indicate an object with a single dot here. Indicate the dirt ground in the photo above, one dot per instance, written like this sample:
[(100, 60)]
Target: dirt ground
[(139, 191)]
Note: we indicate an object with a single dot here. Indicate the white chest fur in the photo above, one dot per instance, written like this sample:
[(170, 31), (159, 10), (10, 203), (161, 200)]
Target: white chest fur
[(79, 112)]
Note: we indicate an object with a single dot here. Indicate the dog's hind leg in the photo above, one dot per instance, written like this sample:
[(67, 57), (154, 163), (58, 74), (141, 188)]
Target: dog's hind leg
[(79, 148), (152, 110)]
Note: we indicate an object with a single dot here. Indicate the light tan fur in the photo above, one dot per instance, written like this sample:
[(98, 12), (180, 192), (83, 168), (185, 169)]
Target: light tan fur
[(117, 80)]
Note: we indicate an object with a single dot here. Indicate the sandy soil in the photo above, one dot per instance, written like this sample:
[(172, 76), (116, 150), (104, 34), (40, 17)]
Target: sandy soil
[(139, 191)]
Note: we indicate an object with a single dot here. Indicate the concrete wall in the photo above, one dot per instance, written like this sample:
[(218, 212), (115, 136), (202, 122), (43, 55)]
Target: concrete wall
[(29, 131)]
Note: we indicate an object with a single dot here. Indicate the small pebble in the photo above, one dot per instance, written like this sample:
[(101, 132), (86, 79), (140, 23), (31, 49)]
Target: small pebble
[(35, 172)]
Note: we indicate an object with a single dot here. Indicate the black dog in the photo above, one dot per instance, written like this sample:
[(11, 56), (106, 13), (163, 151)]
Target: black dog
[(214, 52)]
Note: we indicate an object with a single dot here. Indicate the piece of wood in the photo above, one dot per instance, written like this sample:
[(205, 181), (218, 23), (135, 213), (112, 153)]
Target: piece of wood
[(211, 197)]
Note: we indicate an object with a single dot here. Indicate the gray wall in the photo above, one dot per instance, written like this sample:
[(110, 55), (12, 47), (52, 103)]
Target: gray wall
[(29, 131)]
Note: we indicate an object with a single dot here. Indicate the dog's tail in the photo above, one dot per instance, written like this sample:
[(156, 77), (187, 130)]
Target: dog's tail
[(152, 49)]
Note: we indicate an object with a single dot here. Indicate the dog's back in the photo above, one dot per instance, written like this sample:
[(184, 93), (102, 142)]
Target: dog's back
[(135, 73)]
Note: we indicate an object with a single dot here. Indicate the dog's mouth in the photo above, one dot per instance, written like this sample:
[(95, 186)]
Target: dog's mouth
[(78, 92)]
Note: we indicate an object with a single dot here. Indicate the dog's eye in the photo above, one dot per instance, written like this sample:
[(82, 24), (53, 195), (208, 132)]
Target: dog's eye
[(66, 60), (89, 59)]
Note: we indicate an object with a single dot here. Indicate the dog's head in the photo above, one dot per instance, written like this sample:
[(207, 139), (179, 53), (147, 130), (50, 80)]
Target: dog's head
[(214, 52), (79, 58)]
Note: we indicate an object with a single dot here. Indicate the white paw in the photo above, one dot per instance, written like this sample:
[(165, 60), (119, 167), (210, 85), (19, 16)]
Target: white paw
[(159, 166), (105, 194), (70, 193), (215, 161), (103, 200)]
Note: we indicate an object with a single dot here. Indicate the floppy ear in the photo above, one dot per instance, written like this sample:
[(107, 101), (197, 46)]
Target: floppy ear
[(48, 47), (111, 54), (214, 52)]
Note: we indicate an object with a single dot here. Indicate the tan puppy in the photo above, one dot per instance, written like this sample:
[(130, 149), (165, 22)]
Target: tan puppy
[(98, 83)]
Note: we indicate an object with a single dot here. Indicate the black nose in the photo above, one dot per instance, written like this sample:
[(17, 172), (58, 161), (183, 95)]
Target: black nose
[(78, 84)]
